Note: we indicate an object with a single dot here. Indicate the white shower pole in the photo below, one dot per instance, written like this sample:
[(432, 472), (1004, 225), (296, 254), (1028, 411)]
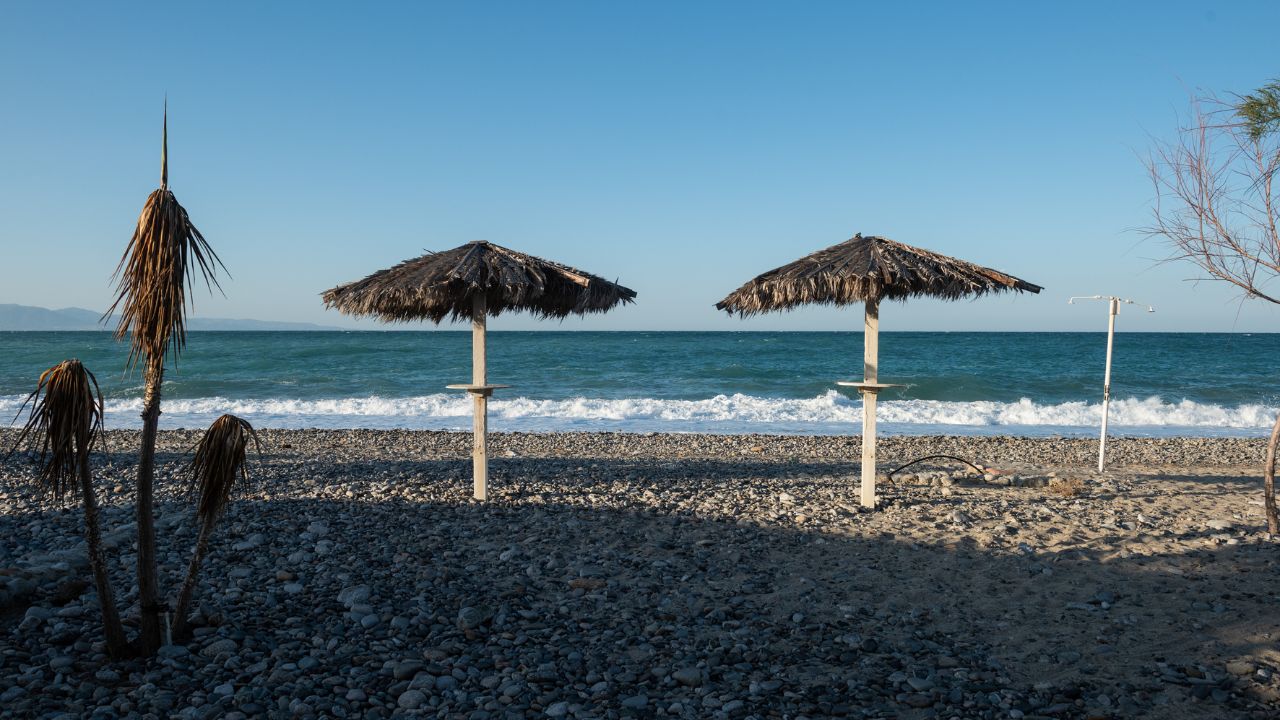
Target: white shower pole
[(1113, 309), (1106, 383)]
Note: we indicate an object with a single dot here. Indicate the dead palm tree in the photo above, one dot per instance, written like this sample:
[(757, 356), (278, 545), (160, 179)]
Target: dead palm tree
[(65, 423), (218, 461), (154, 275)]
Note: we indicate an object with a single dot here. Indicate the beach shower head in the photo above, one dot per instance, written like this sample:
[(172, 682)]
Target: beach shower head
[(1072, 300)]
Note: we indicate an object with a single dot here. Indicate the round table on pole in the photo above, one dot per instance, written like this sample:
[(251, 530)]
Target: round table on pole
[(869, 391), (480, 430)]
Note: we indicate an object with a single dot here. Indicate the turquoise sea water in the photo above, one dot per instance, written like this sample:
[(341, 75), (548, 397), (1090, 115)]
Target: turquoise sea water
[(739, 382)]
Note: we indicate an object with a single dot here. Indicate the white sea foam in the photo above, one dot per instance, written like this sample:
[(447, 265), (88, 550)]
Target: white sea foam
[(827, 413)]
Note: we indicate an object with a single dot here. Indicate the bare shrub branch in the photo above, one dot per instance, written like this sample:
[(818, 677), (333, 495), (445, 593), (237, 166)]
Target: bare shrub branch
[(1216, 203)]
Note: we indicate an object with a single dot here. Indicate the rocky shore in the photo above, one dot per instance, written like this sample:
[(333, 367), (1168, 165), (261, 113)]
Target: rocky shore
[(676, 576)]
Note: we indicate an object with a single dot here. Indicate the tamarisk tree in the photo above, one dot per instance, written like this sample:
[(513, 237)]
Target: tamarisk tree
[(1217, 206)]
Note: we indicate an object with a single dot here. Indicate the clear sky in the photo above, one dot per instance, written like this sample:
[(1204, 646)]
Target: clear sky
[(680, 147)]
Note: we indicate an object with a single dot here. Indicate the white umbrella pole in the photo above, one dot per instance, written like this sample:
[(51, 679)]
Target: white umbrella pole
[(1106, 383), (870, 374), (480, 426)]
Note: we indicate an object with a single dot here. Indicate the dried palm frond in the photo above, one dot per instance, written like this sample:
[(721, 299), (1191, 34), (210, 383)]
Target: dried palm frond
[(867, 268), (219, 460), (156, 271), (443, 284), (65, 422)]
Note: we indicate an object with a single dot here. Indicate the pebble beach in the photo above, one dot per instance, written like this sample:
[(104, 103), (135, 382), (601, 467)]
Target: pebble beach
[(616, 575)]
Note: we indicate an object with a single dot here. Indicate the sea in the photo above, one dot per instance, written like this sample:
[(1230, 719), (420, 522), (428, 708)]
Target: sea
[(1026, 384)]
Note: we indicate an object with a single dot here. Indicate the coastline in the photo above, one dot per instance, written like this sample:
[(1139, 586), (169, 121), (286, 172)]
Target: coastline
[(1038, 384), (1064, 452)]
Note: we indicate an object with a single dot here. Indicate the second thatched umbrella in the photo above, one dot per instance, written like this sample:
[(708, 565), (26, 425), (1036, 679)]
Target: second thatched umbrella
[(867, 270), (472, 282)]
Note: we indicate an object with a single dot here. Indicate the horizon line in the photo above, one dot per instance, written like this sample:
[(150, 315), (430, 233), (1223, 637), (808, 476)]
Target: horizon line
[(650, 330)]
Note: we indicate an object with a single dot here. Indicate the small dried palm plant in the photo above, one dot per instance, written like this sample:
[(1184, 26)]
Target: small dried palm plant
[(158, 268), (64, 425), (219, 460)]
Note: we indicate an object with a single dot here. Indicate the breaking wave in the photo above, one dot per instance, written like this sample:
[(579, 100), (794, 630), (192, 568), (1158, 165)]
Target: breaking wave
[(827, 413)]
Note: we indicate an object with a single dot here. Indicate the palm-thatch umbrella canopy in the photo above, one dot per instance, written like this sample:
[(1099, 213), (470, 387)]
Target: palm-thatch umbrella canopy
[(472, 282), (867, 270)]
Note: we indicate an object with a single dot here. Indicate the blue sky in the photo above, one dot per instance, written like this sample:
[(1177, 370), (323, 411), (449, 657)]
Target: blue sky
[(679, 147)]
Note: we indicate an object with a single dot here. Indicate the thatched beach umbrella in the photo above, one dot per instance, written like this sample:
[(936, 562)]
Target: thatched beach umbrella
[(867, 270), (472, 282)]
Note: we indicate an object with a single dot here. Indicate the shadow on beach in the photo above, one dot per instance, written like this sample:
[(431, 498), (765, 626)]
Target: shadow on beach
[(680, 588)]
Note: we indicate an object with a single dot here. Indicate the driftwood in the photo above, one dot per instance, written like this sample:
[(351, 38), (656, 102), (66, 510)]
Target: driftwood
[(900, 468)]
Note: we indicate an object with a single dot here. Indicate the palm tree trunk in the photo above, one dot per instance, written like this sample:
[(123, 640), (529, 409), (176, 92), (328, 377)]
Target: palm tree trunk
[(189, 585), (148, 592), (117, 644), (1269, 481)]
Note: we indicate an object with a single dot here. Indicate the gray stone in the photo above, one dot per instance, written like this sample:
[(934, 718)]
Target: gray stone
[(470, 618), (689, 677), (411, 699), (918, 700), (37, 613), (446, 682), (217, 647), (353, 595), (406, 670), (253, 541), (1240, 667), (920, 684)]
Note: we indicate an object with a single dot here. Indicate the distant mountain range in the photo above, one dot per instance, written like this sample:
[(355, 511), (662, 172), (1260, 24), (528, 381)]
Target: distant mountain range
[(26, 317)]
